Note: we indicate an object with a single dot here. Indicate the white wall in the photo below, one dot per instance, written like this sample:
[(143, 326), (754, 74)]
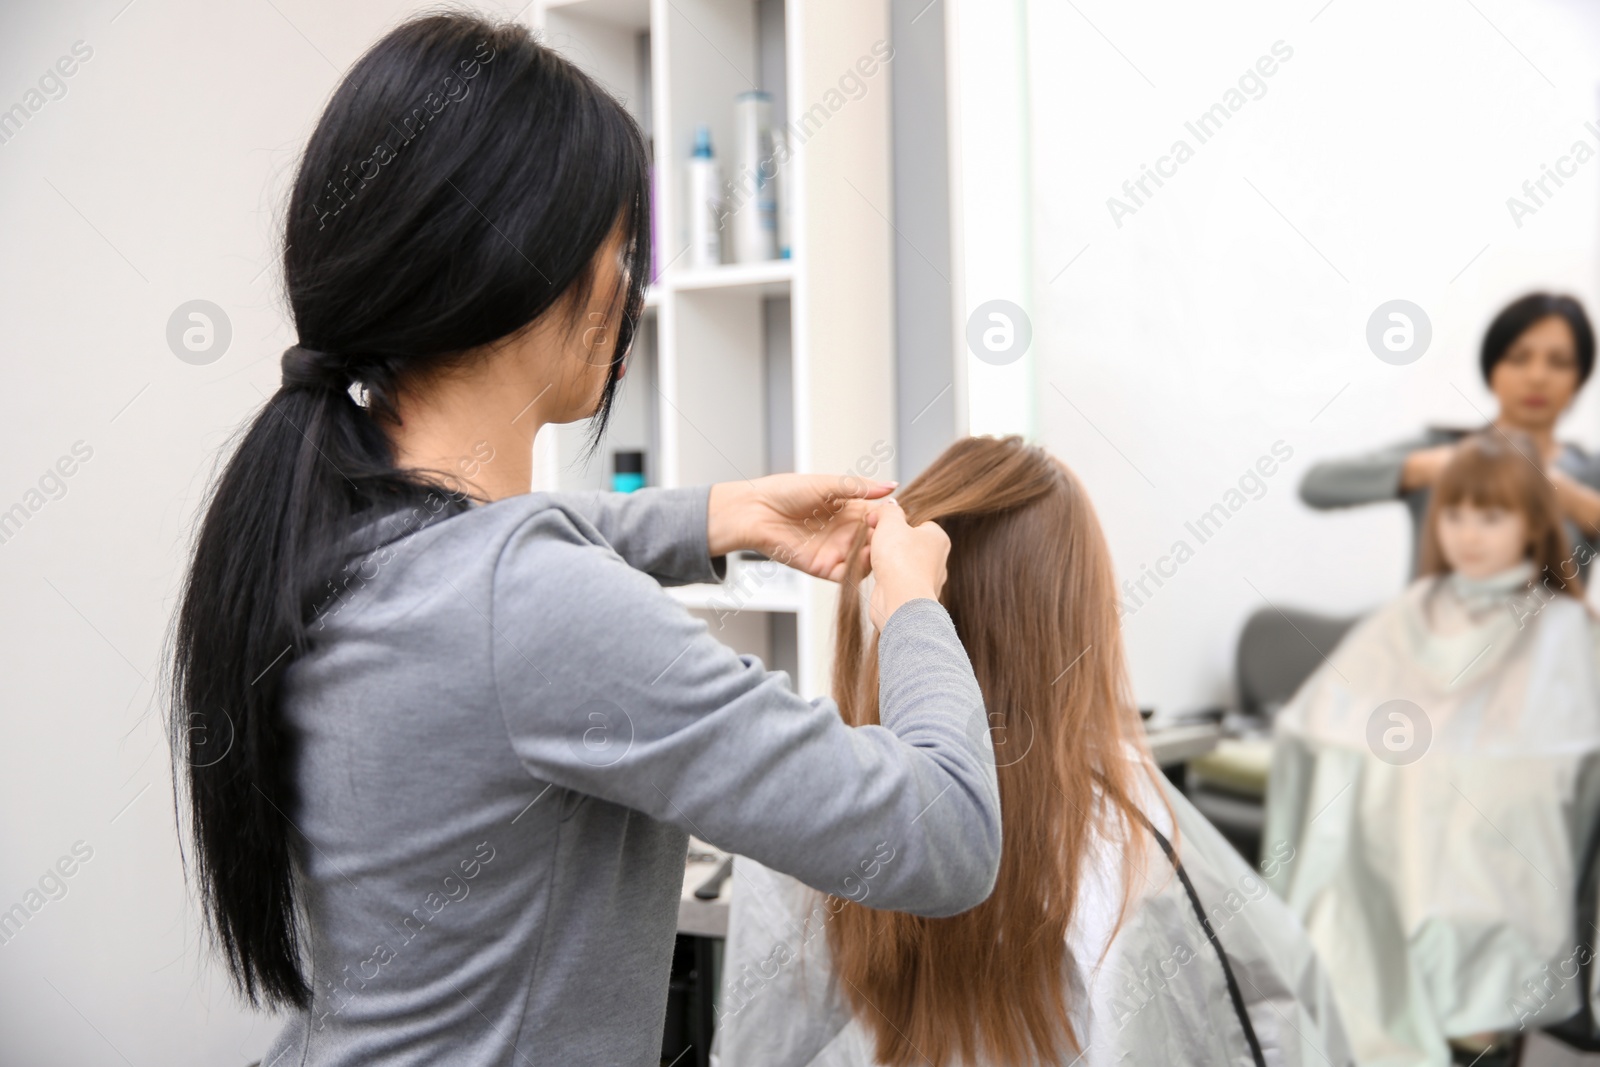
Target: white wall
[(990, 137), (159, 177), (1229, 310)]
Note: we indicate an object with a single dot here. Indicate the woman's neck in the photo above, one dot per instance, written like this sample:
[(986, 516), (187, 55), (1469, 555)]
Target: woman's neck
[(475, 427)]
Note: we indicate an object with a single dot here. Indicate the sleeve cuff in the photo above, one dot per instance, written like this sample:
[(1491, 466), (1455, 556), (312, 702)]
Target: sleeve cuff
[(691, 509)]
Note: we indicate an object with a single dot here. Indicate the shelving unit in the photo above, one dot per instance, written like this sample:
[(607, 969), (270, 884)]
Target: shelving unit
[(771, 278), (747, 369)]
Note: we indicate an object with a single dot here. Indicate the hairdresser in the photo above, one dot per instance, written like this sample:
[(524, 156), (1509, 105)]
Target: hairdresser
[(1536, 355), (468, 733)]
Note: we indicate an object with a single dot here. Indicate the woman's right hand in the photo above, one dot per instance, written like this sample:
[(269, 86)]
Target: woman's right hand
[(1422, 467), (907, 561)]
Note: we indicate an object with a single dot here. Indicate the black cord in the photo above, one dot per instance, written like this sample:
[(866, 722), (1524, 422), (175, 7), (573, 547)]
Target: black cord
[(1222, 957)]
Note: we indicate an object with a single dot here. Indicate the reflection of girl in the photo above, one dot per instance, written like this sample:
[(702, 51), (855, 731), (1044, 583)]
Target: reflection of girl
[(1536, 355), (1436, 779), (1092, 949)]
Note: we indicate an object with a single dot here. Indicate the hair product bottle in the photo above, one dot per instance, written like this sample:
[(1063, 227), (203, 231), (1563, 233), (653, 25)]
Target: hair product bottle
[(705, 203), (782, 190), (627, 471), (755, 214)]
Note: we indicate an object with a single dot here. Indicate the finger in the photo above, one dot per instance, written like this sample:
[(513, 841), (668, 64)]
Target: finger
[(832, 557), (875, 490), (891, 515), (876, 508), (852, 511), (851, 487)]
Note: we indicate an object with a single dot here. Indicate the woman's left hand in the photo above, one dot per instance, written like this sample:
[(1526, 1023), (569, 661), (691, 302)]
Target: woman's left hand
[(804, 521)]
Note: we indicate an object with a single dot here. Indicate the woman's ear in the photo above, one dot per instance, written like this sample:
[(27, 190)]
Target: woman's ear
[(597, 339)]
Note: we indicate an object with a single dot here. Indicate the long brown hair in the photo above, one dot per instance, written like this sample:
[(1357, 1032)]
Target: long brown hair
[(1031, 591), (1493, 470)]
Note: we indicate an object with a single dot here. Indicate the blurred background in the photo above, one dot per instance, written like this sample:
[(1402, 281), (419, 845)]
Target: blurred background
[(1160, 337)]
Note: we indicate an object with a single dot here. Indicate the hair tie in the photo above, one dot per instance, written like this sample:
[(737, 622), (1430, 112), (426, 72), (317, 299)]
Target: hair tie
[(306, 368)]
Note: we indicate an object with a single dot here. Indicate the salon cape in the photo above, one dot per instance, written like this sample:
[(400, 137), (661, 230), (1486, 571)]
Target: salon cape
[(1155, 995), (1440, 892)]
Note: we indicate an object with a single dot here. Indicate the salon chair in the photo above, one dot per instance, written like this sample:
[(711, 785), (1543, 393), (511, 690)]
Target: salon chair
[(1277, 651), (1581, 1034)]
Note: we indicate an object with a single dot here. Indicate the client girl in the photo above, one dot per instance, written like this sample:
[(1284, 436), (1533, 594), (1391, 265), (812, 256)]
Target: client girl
[(1122, 929), (1436, 779)]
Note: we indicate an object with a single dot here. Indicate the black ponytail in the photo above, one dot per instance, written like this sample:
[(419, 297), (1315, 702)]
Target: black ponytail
[(459, 184)]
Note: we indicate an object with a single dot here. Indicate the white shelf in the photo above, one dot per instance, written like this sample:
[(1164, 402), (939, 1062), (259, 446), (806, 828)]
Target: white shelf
[(624, 14), (750, 586), (746, 368), (774, 277), (771, 278)]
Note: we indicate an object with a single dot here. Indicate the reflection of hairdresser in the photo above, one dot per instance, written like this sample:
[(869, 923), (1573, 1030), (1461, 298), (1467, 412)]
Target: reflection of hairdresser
[(1438, 777), (1536, 355)]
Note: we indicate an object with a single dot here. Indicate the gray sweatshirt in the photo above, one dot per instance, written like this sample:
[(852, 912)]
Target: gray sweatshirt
[(505, 732)]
